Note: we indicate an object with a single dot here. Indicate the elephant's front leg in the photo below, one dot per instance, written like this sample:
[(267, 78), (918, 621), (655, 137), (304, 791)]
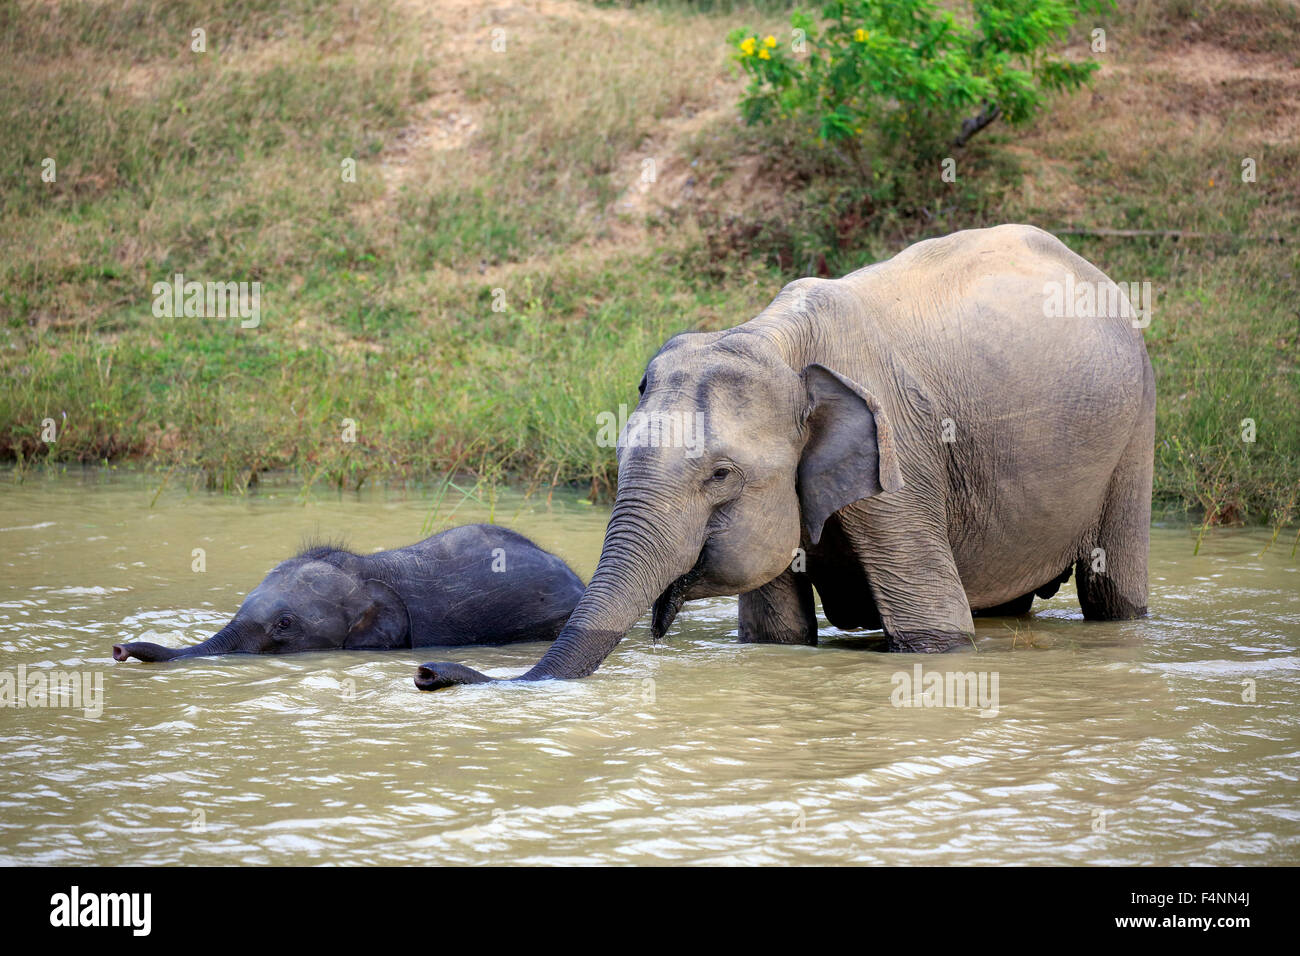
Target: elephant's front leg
[(780, 612), (914, 581)]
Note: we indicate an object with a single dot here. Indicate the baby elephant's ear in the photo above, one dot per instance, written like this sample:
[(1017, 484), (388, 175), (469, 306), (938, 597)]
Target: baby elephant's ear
[(379, 618), (848, 450)]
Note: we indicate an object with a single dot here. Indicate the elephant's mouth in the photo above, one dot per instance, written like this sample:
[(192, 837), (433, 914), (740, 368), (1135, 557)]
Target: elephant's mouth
[(670, 602)]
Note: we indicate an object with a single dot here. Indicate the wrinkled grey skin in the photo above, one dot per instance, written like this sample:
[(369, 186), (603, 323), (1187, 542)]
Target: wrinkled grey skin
[(477, 584), (825, 421)]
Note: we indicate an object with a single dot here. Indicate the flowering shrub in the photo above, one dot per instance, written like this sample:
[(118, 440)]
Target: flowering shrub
[(910, 69)]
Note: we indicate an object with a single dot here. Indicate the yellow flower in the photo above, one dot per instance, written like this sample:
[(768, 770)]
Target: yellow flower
[(747, 46), (861, 35), (764, 55), (770, 42)]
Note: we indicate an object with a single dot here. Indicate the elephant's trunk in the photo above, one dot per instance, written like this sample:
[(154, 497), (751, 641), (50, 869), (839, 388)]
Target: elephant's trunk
[(638, 563), (223, 642)]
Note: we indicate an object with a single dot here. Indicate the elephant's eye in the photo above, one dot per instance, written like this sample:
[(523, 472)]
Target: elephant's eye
[(721, 474), (284, 623)]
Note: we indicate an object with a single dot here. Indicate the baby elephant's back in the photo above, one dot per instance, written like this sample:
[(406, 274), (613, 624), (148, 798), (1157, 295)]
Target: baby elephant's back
[(491, 585)]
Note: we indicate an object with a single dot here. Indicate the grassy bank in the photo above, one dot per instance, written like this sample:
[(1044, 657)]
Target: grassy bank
[(515, 179)]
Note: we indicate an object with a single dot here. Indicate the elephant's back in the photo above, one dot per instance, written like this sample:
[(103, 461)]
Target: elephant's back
[(1005, 321), (1016, 271), (490, 585)]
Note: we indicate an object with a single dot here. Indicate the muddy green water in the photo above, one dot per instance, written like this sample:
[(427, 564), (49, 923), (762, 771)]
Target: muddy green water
[(1170, 740)]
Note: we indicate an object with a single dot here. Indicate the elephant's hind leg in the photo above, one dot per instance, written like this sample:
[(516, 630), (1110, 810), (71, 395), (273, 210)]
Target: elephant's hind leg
[(780, 612), (1112, 578)]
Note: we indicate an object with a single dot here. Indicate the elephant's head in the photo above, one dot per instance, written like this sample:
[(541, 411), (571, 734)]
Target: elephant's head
[(731, 454), (304, 604)]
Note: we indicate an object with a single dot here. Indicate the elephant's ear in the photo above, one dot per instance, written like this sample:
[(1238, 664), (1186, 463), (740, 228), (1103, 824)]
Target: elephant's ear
[(849, 449), (379, 618)]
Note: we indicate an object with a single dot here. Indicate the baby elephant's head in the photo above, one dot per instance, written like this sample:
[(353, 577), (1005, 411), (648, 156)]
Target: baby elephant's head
[(305, 604)]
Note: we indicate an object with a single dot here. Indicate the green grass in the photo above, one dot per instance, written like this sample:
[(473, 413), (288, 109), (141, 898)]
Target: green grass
[(377, 296)]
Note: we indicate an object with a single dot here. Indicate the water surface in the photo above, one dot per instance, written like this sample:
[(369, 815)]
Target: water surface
[(1134, 742)]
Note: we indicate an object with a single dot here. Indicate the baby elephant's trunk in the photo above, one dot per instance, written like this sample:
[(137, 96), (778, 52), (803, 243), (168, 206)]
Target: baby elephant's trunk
[(223, 642)]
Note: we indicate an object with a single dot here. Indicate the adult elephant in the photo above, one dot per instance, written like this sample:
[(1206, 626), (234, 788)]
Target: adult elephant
[(930, 430)]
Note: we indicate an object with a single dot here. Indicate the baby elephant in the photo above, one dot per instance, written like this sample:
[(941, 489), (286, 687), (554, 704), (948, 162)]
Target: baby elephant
[(477, 584)]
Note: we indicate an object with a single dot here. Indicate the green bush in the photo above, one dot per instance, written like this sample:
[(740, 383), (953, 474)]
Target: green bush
[(910, 71)]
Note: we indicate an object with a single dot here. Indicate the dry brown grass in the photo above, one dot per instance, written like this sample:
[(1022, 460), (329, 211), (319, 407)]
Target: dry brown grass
[(522, 171)]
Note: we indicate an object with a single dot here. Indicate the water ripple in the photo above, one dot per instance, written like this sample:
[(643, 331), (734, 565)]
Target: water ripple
[(1165, 741)]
